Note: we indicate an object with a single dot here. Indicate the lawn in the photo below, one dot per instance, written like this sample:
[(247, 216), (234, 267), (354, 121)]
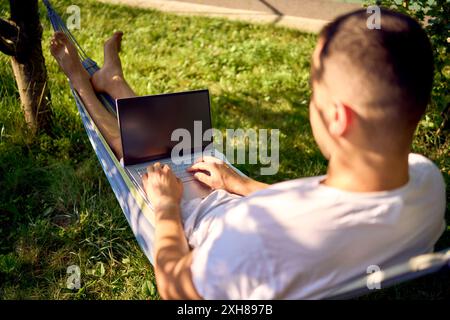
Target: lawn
[(57, 208)]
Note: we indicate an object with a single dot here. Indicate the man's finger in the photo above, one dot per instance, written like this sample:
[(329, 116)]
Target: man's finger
[(166, 168), (210, 159), (202, 177), (200, 166), (150, 169), (144, 182), (157, 166)]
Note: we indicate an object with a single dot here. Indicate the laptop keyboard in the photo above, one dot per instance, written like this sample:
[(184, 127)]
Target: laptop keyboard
[(178, 169)]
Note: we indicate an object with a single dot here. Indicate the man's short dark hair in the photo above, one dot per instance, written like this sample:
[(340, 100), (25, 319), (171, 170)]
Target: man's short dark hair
[(397, 60)]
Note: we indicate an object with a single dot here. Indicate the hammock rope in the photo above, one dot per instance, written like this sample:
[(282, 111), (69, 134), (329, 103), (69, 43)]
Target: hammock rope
[(139, 214)]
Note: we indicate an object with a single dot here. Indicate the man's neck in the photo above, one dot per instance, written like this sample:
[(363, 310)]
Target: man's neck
[(367, 173)]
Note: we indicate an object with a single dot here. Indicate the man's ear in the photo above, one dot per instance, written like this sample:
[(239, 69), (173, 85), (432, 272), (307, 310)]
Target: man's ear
[(341, 119)]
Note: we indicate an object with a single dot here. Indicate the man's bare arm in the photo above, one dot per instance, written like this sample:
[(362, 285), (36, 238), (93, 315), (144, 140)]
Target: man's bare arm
[(173, 257)]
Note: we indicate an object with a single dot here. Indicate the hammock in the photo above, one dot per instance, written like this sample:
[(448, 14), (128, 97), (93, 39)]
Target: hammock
[(135, 207), (139, 214)]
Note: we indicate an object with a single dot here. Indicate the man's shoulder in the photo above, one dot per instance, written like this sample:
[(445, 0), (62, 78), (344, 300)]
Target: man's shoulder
[(415, 159), (423, 170), (309, 195)]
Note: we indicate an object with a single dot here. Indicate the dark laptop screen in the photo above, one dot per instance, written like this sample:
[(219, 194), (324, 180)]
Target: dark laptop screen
[(146, 123)]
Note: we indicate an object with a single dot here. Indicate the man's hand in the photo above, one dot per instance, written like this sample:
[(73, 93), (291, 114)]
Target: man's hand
[(163, 188), (218, 175)]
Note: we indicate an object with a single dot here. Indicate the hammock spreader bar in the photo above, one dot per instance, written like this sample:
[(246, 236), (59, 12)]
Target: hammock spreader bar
[(140, 216)]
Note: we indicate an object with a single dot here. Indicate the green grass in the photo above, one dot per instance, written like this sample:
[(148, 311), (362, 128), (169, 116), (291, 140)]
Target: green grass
[(56, 207)]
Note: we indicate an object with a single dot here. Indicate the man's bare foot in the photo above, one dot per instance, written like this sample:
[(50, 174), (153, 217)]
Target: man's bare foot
[(104, 79), (67, 57)]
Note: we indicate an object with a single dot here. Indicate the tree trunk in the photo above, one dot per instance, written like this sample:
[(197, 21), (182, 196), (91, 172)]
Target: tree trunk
[(29, 65)]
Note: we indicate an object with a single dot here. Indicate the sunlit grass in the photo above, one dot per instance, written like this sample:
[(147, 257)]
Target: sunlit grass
[(56, 207)]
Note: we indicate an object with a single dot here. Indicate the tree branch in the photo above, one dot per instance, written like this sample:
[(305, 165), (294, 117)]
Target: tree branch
[(9, 37)]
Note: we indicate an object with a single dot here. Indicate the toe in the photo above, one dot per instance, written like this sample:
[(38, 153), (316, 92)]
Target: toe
[(116, 37), (61, 37), (114, 42), (119, 39), (54, 47)]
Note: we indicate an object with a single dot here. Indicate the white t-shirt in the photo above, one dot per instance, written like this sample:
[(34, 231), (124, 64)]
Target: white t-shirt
[(301, 239)]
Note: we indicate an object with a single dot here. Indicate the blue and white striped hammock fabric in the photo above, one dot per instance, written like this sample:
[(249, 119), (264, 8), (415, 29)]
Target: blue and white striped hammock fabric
[(140, 215), (135, 207)]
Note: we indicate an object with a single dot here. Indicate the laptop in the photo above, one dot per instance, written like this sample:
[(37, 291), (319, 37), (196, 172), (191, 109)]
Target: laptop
[(146, 125)]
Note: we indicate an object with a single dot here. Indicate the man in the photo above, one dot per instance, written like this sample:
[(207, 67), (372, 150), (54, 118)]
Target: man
[(377, 205)]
